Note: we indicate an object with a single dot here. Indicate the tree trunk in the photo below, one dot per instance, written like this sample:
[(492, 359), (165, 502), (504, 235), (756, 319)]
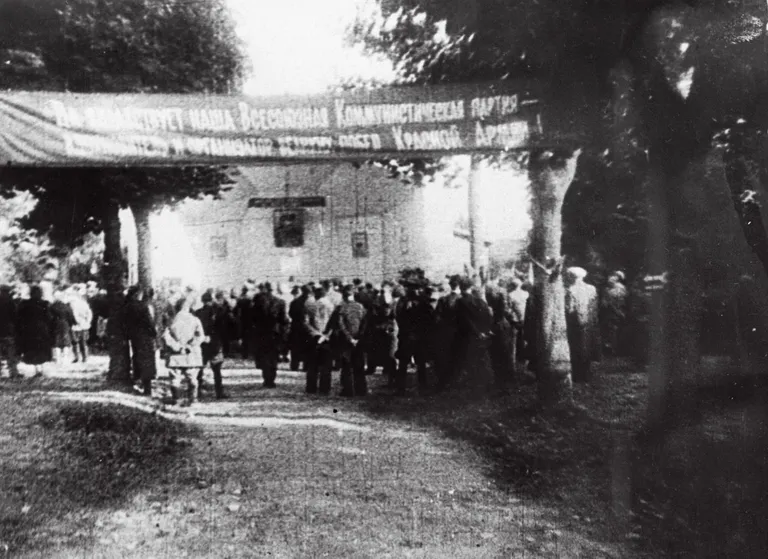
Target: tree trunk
[(676, 310), (141, 214), (119, 354), (478, 253), (550, 178)]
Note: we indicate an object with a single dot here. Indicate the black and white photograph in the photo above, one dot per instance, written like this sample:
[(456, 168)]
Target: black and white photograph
[(384, 279)]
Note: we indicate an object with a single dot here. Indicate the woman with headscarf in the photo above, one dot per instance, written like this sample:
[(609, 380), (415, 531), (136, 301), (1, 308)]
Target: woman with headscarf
[(183, 339), (35, 330)]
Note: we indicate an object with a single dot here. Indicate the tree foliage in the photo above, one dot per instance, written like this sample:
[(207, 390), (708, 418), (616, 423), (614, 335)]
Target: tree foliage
[(169, 46)]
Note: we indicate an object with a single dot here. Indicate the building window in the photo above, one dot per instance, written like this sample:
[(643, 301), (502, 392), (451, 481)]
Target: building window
[(360, 244), (218, 247)]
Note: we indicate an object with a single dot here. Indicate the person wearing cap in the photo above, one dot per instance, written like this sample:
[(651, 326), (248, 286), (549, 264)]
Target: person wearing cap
[(297, 338), (213, 317), (474, 321), (183, 340), (244, 318), (381, 333), (350, 328), (414, 322), (581, 321), (445, 334), (140, 329), (270, 323), (613, 312)]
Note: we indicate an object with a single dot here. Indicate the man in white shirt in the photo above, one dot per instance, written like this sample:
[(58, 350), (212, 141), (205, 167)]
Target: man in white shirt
[(83, 317)]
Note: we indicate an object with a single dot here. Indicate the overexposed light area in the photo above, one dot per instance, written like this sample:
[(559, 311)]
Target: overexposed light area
[(298, 47), (173, 255)]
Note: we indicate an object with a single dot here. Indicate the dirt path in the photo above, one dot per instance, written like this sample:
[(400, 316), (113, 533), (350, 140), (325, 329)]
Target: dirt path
[(277, 473)]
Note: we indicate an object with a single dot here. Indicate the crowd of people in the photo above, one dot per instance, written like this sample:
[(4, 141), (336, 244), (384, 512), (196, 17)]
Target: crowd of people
[(458, 332), (59, 326)]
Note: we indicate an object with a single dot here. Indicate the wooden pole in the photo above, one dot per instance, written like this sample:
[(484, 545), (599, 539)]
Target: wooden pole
[(478, 255)]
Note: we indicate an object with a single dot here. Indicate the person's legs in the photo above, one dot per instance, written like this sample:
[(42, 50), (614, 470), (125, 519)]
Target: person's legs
[(358, 373), (311, 361), (270, 360), (324, 366), (218, 381), (347, 383), (401, 374), (192, 389), (175, 380)]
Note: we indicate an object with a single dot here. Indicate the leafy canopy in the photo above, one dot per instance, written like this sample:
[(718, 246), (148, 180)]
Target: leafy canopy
[(132, 46)]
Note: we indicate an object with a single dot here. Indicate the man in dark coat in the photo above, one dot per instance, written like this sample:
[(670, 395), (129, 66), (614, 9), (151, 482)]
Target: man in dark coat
[(502, 343), (35, 330), (474, 321), (213, 317), (8, 331), (270, 327), (414, 318), (445, 335), (140, 330), (381, 333), (297, 339), (244, 317)]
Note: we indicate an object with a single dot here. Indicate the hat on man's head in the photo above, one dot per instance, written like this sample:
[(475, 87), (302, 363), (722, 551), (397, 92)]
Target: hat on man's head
[(619, 275), (266, 286), (577, 272), (465, 283)]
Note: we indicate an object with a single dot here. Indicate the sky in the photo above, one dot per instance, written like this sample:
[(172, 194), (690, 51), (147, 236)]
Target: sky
[(297, 46)]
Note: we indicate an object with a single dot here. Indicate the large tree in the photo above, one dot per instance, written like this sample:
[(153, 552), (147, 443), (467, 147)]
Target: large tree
[(666, 77), (147, 46)]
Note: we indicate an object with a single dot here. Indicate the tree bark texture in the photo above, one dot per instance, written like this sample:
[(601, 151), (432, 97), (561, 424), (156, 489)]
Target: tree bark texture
[(676, 311), (119, 353), (550, 178), (141, 215)]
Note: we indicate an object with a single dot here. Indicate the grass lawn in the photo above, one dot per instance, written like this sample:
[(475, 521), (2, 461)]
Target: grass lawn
[(275, 473)]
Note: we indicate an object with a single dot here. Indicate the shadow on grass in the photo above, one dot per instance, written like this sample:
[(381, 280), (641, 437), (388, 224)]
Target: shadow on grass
[(561, 461), (64, 461), (702, 489)]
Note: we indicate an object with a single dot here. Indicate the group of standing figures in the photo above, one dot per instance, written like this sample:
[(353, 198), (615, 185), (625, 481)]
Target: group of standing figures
[(458, 333), (38, 331)]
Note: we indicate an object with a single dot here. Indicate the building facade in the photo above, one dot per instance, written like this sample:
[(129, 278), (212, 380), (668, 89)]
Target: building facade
[(370, 227)]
